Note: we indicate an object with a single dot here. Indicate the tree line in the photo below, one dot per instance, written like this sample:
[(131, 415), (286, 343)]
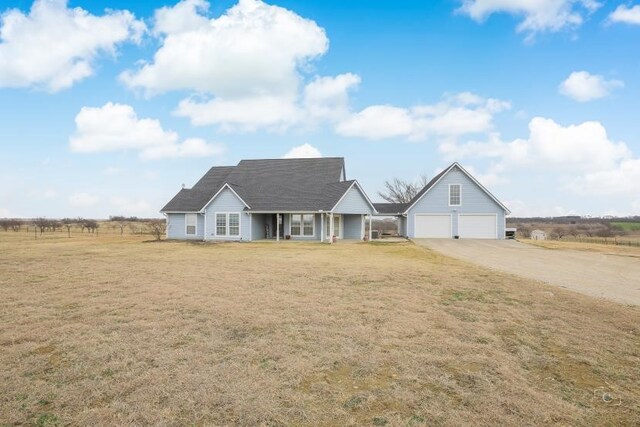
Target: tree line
[(155, 227)]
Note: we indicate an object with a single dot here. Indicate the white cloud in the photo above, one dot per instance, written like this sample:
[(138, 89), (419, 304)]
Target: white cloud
[(83, 200), (378, 122), (246, 69), (622, 179), (574, 148), (115, 127), (538, 15), (581, 157), (456, 115), (244, 114), (328, 97), (252, 49), (583, 86), (625, 14), (302, 151), (54, 46)]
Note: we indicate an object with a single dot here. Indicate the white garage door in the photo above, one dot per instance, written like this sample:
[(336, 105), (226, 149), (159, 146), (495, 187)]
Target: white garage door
[(477, 226), (433, 226)]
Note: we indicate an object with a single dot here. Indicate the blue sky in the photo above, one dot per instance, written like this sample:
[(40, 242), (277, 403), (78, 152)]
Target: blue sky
[(109, 106)]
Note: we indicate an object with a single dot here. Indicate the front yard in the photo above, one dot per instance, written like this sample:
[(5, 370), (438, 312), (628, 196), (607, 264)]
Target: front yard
[(112, 331)]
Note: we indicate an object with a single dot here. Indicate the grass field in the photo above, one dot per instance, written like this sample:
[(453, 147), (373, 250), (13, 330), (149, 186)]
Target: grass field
[(115, 331), (627, 226), (584, 245)]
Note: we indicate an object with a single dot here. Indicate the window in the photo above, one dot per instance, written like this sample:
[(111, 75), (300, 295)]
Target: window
[(296, 224), (228, 224), (455, 194), (302, 225), (234, 224), (190, 223), (307, 225), (221, 224)]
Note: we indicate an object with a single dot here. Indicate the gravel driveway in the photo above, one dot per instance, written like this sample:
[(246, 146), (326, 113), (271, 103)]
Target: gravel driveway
[(615, 277)]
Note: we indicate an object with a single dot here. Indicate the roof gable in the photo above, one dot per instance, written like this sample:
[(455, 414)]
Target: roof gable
[(355, 202), (441, 175), (194, 199)]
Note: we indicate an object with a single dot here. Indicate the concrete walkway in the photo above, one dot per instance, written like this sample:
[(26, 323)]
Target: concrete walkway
[(610, 276)]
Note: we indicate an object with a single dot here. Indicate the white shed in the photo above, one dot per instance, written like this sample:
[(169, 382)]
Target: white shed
[(538, 235)]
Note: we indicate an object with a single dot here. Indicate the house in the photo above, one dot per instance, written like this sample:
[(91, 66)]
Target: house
[(311, 199), (538, 235), (452, 205), (298, 199)]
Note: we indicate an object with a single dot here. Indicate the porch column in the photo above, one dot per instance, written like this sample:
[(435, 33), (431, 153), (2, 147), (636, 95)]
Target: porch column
[(370, 230), (321, 227), (331, 230), (250, 226), (277, 227), (362, 227)]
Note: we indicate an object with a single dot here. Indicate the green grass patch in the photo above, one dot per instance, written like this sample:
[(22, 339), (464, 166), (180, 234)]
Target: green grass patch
[(627, 226)]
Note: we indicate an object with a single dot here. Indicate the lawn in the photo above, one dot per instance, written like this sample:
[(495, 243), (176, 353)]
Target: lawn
[(114, 331)]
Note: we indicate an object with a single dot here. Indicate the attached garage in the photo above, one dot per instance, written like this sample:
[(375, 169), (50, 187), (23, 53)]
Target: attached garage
[(477, 226), (433, 226)]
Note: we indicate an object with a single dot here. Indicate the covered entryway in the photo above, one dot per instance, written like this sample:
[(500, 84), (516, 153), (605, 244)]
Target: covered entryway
[(477, 226), (433, 226)]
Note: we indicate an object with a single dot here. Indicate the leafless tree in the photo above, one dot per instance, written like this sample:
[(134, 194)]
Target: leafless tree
[(41, 224), (157, 228), (400, 191), (559, 232), (68, 223)]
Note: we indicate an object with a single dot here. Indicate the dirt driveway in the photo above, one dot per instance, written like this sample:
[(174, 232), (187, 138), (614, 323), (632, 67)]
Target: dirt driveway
[(615, 277)]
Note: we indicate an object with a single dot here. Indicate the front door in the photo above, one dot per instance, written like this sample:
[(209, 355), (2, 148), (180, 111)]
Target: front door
[(337, 226)]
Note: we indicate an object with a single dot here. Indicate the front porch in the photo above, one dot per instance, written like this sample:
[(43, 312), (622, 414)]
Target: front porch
[(309, 226)]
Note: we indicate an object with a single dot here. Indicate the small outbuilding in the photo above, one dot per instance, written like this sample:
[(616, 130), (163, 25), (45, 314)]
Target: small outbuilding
[(538, 235)]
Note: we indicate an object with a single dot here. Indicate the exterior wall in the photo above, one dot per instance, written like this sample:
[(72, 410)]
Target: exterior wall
[(257, 226), (354, 202), (316, 231), (226, 201), (176, 227), (352, 225), (402, 226), (473, 200)]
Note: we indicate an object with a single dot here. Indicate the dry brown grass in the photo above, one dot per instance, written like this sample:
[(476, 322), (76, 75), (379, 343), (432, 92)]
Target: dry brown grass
[(613, 249), (111, 331)]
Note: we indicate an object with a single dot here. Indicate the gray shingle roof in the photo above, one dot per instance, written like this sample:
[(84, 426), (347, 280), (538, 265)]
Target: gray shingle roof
[(271, 185), (390, 208), (194, 199)]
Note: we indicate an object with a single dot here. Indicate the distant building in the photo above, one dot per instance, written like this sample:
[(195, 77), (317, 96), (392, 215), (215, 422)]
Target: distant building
[(538, 235)]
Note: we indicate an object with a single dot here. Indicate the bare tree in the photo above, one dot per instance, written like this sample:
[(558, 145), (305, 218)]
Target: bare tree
[(400, 191), (68, 223), (41, 224), (559, 232), (16, 224), (157, 228), (122, 224)]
